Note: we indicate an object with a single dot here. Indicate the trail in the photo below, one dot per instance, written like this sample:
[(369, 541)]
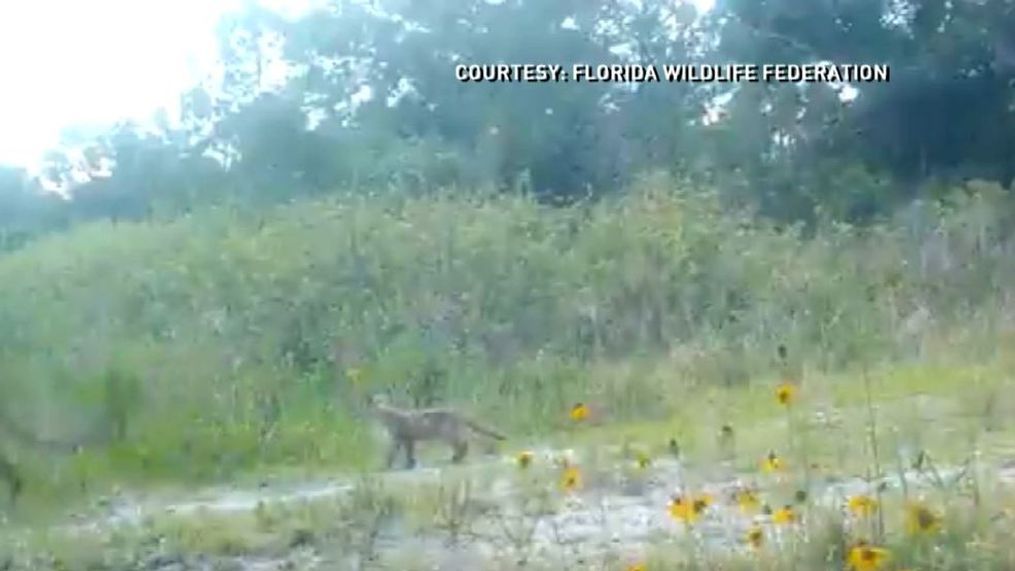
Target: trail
[(607, 520)]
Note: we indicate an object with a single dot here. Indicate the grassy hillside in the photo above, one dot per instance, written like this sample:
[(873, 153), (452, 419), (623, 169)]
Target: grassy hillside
[(234, 341)]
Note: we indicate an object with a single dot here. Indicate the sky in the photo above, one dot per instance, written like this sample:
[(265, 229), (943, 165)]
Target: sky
[(91, 63)]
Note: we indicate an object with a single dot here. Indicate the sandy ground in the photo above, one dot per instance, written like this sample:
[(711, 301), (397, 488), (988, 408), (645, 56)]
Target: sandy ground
[(606, 522)]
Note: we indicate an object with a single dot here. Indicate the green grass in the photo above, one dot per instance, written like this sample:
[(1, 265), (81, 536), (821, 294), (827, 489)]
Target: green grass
[(216, 346), (977, 516), (937, 406)]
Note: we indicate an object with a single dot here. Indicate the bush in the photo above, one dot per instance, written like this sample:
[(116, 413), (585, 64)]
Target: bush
[(239, 327)]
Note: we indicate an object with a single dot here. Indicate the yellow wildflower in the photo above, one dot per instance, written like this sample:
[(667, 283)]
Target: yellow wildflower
[(864, 557), (636, 567), (682, 508), (772, 463), (747, 500), (862, 505), (524, 459), (920, 519), (579, 412), (688, 509), (755, 537), (784, 515), (571, 479), (785, 393)]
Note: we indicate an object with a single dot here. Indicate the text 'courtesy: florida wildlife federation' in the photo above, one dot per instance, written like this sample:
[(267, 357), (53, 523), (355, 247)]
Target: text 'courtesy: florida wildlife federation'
[(673, 73)]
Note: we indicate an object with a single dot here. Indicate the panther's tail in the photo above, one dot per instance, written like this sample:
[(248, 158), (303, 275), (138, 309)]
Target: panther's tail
[(484, 430)]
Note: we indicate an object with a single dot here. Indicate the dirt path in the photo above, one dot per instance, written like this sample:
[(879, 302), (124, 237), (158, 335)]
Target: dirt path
[(613, 517)]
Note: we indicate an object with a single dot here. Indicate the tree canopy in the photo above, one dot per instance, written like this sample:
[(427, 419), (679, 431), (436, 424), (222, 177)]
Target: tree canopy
[(370, 104)]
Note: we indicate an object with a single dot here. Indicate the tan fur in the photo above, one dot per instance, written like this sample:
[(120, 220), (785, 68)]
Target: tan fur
[(407, 427)]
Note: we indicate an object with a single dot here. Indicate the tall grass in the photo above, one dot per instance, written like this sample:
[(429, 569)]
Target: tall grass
[(224, 341)]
